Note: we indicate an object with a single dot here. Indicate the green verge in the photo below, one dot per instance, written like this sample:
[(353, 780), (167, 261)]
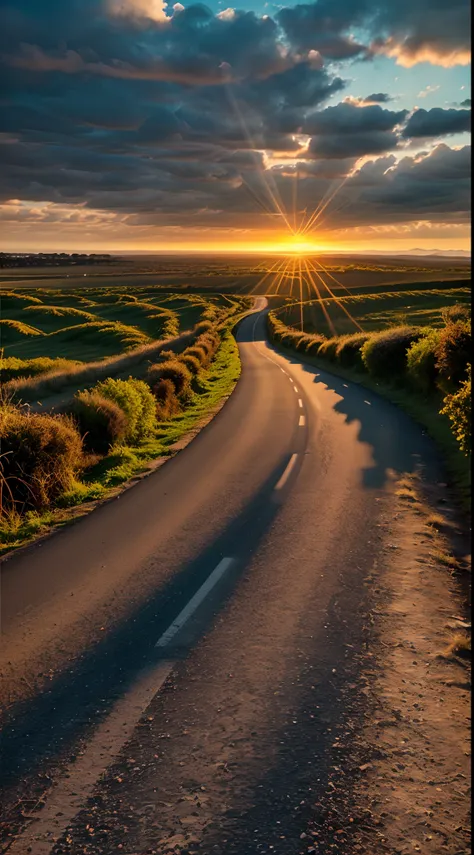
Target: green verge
[(111, 474), (423, 411)]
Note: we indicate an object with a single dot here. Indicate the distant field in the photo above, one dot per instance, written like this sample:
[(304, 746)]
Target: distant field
[(237, 274), (90, 324), (374, 311)]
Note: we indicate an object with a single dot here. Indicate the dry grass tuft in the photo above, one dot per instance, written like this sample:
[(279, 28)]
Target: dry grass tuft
[(444, 558), (460, 645)]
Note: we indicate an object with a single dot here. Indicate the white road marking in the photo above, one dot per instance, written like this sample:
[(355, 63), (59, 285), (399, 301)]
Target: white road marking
[(301, 421), (300, 403), (195, 601), (284, 478), (68, 795), (368, 402), (295, 388)]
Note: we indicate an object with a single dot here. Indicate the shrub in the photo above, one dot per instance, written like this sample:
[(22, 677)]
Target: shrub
[(453, 354), (209, 343), (192, 363), (137, 402), (147, 417), (327, 350), (458, 312), (348, 350), (422, 360), (457, 408), (167, 403), (313, 345), (203, 326), (198, 353), (41, 455), (384, 354), (101, 421), (173, 370)]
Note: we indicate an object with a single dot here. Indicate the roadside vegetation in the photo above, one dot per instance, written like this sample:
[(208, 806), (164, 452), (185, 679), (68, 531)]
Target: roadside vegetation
[(424, 367), (116, 415)]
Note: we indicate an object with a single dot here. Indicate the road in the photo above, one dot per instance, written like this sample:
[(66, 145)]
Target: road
[(226, 596)]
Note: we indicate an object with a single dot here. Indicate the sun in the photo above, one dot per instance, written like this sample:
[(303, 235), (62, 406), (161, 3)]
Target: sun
[(298, 245)]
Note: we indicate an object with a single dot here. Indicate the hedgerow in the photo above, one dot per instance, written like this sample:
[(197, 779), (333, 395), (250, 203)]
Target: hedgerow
[(453, 353), (384, 354), (422, 370)]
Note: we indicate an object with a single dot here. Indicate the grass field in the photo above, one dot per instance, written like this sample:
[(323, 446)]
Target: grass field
[(91, 324), (344, 314)]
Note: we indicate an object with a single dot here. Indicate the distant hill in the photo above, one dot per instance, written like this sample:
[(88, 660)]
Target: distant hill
[(445, 253)]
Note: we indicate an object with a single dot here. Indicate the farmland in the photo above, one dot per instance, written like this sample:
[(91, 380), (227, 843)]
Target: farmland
[(92, 324), (344, 314)]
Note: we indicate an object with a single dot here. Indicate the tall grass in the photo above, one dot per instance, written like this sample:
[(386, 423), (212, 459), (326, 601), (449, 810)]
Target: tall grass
[(61, 381)]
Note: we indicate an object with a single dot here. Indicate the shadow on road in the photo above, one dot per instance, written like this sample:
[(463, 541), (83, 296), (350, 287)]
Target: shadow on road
[(37, 730), (397, 443)]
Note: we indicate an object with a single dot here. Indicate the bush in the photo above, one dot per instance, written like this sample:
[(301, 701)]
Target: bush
[(137, 402), (458, 409), (348, 350), (209, 343), (327, 350), (422, 360), (100, 420), (314, 343), (458, 312), (167, 403), (384, 354), (198, 353), (453, 354), (174, 370), (203, 326), (41, 455), (192, 363)]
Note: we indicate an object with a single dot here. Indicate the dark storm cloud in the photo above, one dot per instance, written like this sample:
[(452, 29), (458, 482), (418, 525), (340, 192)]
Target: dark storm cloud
[(349, 131), (465, 103), (437, 122), (166, 121), (377, 98), (411, 30)]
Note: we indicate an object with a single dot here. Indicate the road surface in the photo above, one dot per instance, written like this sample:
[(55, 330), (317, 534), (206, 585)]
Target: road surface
[(210, 619)]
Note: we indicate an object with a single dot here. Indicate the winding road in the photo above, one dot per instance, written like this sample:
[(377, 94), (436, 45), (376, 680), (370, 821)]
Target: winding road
[(191, 640)]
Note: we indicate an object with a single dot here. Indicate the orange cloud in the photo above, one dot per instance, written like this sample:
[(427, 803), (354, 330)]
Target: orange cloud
[(408, 55)]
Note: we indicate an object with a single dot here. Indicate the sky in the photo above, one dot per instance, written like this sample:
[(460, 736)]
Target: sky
[(140, 125)]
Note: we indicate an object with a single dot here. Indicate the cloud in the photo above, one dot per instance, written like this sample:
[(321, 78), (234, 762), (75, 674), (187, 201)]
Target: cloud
[(378, 98), (427, 91), (437, 123), (169, 119), (410, 31), (347, 130)]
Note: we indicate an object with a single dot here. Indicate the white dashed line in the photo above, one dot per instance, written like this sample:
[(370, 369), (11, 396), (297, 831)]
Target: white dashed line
[(300, 403), (284, 478), (195, 601), (295, 388), (301, 421)]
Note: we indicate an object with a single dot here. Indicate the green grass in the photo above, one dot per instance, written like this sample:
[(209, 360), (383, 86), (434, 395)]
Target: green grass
[(90, 324), (371, 312), (126, 462)]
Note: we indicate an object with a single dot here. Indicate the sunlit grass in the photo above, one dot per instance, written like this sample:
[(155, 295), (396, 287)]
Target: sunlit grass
[(126, 462)]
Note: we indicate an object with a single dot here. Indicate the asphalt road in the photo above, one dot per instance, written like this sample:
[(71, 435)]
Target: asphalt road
[(225, 595)]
